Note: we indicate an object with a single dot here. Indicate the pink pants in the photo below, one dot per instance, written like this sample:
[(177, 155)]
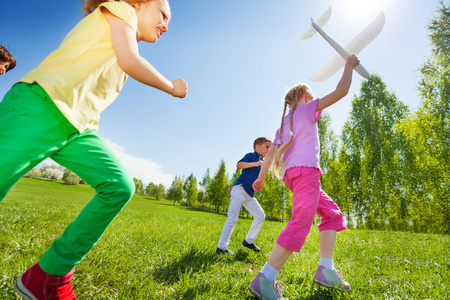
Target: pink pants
[(308, 198)]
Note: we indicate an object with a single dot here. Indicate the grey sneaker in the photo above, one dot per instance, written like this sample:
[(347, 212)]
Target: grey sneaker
[(331, 279), (226, 251), (264, 289)]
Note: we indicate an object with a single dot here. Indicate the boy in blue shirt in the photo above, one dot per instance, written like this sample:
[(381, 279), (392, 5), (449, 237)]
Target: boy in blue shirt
[(242, 193)]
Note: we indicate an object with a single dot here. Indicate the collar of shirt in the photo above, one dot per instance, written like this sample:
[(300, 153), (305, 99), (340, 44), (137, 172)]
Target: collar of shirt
[(259, 155)]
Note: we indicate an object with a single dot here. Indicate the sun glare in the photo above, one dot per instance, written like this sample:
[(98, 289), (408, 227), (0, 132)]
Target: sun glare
[(361, 10)]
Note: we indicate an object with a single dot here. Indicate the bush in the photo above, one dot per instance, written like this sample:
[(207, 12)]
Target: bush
[(35, 172), (53, 172), (70, 178)]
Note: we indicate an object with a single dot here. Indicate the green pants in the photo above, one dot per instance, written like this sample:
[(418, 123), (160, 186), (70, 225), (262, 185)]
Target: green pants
[(31, 129)]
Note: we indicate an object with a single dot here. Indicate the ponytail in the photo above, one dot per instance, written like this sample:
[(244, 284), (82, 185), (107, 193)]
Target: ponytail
[(291, 100), (281, 148)]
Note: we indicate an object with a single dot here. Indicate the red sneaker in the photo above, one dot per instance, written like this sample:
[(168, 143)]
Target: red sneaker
[(35, 284)]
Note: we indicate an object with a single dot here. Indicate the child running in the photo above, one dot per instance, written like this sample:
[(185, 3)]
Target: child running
[(53, 112), (242, 194), (297, 140), (7, 61)]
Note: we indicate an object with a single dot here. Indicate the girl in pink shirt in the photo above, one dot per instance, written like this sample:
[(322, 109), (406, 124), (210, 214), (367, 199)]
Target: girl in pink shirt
[(296, 147)]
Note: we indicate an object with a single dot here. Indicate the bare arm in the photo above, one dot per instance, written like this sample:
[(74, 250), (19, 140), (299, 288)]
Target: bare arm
[(342, 87), (246, 165), (258, 184), (130, 61)]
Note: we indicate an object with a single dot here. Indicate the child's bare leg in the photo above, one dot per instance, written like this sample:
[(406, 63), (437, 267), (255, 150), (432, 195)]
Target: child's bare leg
[(326, 275), (327, 239), (279, 256)]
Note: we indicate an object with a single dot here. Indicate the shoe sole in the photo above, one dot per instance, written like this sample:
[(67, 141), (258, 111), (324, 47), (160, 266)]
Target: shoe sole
[(224, 253), (253, 249), (22, 290), (255, 293), (330, 286)]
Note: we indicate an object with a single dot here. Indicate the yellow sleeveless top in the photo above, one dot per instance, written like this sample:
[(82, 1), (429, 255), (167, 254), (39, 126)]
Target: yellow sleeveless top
[(82, 76)]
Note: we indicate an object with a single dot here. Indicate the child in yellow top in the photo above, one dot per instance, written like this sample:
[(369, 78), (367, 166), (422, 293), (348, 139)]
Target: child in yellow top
[(51, 112)]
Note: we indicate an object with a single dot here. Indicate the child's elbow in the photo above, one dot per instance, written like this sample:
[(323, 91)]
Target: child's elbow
[(124, 66), (128, 61), (341, 93)]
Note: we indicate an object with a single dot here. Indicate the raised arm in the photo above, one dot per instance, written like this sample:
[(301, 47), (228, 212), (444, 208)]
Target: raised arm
[(258, 184), (342, 87), (132, 63)]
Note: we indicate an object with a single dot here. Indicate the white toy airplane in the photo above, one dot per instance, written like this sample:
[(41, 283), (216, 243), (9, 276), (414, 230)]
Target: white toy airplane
[(363, 39)]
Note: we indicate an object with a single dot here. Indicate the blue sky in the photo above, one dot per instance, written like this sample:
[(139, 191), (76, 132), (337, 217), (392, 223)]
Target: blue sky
[(239, 59)]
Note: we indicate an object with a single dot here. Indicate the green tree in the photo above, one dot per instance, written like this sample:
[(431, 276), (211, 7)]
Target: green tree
[(201, 197), (371, 148), (428, 133), (160, 191), (190, 190), (341, 185), (329, 143), (175, 191), (205, 184), (35, 172), (274, 198), (70, 177), (139, 186), (234, 177), (150, 189), (334, 173), (218, 188)]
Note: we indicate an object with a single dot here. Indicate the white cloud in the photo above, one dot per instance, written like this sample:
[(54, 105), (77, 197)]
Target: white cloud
[(140, 168)]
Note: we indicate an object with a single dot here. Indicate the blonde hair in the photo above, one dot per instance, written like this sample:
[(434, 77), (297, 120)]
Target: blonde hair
[(90, 5), (291, 100)]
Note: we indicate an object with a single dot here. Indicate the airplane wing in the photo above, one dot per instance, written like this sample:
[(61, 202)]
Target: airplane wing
[(321, 21), (355, 46)]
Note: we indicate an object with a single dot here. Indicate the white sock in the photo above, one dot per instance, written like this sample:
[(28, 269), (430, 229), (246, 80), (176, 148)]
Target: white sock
[(327, 263), (269, 272)]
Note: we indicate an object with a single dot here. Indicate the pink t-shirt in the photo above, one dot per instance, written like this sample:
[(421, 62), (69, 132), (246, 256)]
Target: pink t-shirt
[(305, 147)]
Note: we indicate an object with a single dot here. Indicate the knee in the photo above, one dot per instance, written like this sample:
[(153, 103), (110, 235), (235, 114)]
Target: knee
[(231, 221), (118, 190), (332, 220), (261, 216), (334, 214), (126, 188)]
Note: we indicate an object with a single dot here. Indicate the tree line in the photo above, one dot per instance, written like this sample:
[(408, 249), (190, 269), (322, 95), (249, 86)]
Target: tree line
[(211, 193)]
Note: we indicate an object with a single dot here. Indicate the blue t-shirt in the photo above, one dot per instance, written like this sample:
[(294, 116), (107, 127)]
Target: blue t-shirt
[(249, 175)]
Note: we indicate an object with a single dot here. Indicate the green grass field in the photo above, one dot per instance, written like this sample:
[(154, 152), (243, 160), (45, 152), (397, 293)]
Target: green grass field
[(154, 250)]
